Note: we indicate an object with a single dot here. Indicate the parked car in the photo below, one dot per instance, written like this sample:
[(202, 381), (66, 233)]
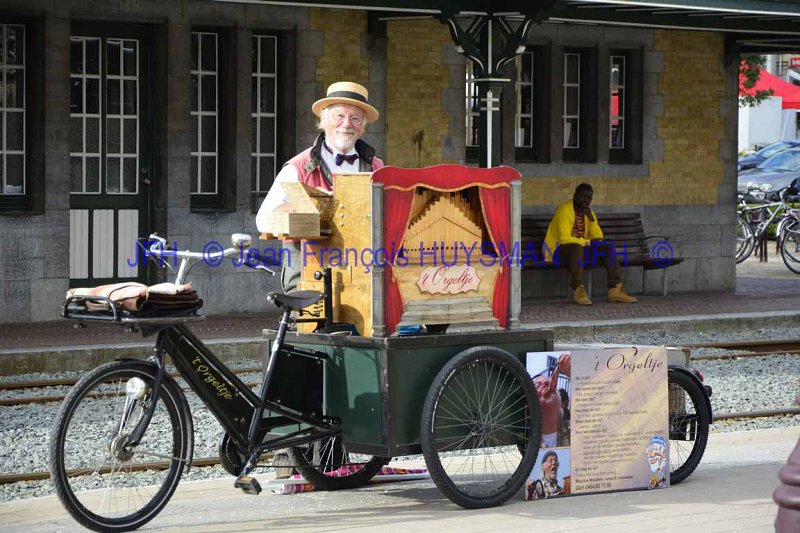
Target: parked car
[(758, 157), (768, 178)]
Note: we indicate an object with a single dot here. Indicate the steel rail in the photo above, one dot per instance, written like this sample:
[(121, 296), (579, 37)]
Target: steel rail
[(771, 345), (757, 414), (139, 467), (739, 355), (38, 384), (28, 400)]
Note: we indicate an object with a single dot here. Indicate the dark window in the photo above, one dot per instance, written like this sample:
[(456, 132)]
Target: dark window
[(532, 109), (272, 109), (15, 179), (625, 106), (472, 116), (104, 75), (579, 107), (264, 112), (212, 121), (617, 94), (204, 176)]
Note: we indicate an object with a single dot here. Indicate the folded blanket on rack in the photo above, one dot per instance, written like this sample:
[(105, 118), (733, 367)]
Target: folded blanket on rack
[(133, 296)]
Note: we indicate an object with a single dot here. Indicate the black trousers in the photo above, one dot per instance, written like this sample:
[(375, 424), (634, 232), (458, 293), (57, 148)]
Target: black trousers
[(292, 267), (577, 257)]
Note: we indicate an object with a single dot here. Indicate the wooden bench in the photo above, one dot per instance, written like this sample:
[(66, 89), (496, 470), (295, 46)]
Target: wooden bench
[(625, 230)]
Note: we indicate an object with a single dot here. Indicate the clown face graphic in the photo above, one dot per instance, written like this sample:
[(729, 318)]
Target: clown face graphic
[(657, 459)]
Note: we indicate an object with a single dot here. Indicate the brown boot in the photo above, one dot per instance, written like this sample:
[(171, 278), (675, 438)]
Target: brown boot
[(618, 294), (580, 297)]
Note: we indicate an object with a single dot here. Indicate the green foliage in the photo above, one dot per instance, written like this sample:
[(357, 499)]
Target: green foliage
[(749, 71)]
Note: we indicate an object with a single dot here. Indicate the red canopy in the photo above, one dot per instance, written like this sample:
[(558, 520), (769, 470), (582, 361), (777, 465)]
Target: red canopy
[(789, 93)]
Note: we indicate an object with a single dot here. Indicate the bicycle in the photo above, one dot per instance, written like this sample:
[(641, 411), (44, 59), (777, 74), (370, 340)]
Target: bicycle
[(132, 411), (752, 222), (790, 240)]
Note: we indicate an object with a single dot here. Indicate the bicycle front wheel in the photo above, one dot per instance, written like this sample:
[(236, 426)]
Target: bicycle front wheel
[(481, 427), (689, 420), (327, 465), (104, 483), (790, 246), (745, 239)]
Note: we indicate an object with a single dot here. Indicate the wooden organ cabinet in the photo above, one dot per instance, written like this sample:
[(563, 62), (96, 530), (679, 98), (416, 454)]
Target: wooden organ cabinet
[(431, 246)]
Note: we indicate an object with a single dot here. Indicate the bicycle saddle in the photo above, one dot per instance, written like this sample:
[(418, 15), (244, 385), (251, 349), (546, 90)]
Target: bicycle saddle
[(295, 299)]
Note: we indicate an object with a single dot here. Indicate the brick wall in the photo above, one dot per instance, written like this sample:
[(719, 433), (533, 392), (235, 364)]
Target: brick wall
[(342, 58), (416, 79), (348, 53)]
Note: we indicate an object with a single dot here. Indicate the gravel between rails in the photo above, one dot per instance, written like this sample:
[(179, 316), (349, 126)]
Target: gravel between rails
[(744, 384)]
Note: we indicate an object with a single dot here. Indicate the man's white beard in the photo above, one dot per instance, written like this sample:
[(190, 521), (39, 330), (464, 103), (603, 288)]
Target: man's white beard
[(341, 143)]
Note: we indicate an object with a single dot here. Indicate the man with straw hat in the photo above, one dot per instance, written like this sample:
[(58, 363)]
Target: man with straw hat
[(343, 116)]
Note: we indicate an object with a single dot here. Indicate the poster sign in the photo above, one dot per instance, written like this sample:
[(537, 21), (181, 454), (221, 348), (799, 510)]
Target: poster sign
[(794, 63), (448, 279), (605, 421)]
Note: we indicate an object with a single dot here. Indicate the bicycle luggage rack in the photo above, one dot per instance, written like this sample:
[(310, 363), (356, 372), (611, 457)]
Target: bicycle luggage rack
[(72, 310)]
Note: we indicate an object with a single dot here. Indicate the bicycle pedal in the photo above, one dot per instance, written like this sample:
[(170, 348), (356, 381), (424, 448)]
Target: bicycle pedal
[(248, 484)]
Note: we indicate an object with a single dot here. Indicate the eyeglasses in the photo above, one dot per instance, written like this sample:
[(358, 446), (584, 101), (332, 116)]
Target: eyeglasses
[(340, 117)]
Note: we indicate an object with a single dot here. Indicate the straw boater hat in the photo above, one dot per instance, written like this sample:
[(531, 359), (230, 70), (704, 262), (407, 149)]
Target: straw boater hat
[(345, 92)]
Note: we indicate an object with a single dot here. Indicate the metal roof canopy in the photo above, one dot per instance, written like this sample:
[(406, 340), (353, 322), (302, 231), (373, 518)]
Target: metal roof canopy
[(754, 26)]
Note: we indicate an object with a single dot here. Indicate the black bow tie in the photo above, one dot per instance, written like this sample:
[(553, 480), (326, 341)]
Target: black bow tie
[(340, 157), (349, 158)]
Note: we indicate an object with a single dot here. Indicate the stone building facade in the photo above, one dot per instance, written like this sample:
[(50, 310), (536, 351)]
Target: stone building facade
[(122, 100)]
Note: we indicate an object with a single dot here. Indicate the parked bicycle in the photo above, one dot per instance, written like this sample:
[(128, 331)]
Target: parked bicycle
[(790, 240), (754, 218)]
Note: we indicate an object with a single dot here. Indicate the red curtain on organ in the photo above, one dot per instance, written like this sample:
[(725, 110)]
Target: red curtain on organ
[(398, 198), (396, 212), (497, 212)]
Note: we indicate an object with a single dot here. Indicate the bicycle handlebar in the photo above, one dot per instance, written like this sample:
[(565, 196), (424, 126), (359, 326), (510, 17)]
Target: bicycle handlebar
[(158, 248)]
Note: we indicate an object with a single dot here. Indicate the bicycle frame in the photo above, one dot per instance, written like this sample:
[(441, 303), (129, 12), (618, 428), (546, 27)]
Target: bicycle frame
[(761, 224), (237, 408)]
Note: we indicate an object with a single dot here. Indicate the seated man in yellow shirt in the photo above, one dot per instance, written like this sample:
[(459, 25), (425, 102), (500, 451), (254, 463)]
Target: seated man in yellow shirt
[(572, 233)]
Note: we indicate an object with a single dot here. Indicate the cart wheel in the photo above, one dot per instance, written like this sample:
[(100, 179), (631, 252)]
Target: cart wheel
[(480, 411), (689, 418), (327, 465)]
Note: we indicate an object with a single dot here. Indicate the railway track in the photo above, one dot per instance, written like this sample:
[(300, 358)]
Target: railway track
[(739, 349), (141, 467), (40, 384), (754, 348)]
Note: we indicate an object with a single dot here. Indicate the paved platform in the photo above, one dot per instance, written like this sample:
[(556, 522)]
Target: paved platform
[(730, 491)]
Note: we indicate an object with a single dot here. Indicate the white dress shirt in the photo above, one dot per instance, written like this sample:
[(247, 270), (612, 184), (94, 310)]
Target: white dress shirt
[(276, 196)]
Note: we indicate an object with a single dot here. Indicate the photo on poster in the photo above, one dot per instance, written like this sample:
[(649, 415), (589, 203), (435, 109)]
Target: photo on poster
[(550, 372), (551, 475)]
